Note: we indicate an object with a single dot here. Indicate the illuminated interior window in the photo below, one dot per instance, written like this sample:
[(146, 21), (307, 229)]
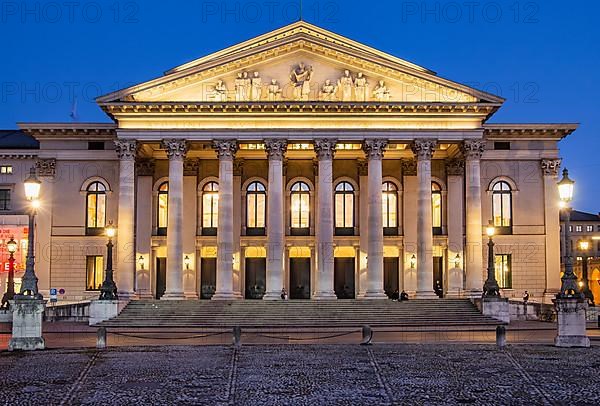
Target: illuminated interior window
[(163, 205), (502, 204), (6, 169), (94, 272), (503, 271), (252, 146), (210, 205), (256, 198), (348, 146), (96, 206), (389, 201), (300, 200), (300, 146), (344, 205), (436, 205)]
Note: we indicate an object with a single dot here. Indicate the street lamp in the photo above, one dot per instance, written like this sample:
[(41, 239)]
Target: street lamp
[(29, 282), (11, 246), (583, 284), (491, 288), (108, 291), (568, 286)]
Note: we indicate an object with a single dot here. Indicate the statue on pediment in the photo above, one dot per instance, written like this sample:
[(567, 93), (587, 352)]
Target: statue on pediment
[(247, 86), (240, 89), (345, 83), (328, 91), (361, 87), (219, 92), (274, 90), (256, 86), (381, 92), (300, 78)]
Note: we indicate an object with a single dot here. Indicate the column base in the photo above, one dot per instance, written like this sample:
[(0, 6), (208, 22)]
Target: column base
[(453, 294), (571, 320), (472, 293), (324, 296), (190, 295), (272, 296), (572, 341), (225, 296), (145, 295), (426, 295), (26, 344), (173, 296), (375, 295)]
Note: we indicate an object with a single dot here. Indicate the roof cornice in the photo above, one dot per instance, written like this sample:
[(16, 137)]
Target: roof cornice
[(97, 131), (506, 131)]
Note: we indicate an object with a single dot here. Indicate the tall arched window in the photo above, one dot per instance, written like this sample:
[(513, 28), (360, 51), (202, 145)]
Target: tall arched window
[(344, 209), (95, 208), (502, 207), (210, 208), (256, 204), (436, 208), (300, 210), (389, 201), (163, 208)]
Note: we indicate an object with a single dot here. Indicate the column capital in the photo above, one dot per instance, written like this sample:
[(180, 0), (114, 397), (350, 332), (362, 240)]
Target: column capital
[(409, 167), (176, 148), (46, 167), (145, 167), (126, 149), (190, 167), (473, 149), (374, 149), (550, 167), (275, 148), (238, 167), (455, 167), (325, 148), (363, 167), (423, 148), (225, 149)]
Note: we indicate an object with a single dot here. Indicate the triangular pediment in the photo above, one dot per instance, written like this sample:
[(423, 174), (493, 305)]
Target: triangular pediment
[(300, 62)]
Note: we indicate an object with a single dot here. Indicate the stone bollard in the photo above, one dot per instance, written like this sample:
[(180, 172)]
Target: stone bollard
[(501, 337), (367, 335), (101, 338), (237, 337)]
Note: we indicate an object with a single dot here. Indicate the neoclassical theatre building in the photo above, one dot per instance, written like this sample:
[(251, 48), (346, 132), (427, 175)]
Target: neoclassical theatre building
[(300, 160)]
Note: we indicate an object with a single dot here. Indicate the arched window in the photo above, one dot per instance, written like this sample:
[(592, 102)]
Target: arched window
[(389, 201), (95, 208), (163, 208), (300, 210), (256, 204), (344, 209), (210, 208), (436, 208), (502, 207)]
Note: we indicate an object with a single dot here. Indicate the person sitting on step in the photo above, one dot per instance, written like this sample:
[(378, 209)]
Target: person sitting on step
[(403, 296)]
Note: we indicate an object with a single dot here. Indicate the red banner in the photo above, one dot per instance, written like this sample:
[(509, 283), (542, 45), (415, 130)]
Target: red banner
[(20, 234)]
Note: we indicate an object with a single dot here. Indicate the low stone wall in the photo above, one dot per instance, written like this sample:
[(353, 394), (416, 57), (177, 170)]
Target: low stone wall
[(77, 311)]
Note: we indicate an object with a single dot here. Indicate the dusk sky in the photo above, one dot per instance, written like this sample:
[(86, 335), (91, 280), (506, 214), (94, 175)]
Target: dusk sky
[(542, 56)]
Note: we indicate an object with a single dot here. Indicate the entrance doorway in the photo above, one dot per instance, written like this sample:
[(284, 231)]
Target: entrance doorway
[(343, 278), (438, 276), (208, 277), (161, 277), (390, 275), (299, 278), (256, 277)]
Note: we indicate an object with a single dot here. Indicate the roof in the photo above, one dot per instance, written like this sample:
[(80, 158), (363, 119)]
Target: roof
[(577, 215), (17, 139)]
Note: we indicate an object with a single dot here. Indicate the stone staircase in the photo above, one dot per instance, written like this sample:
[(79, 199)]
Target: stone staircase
[(299, 314)]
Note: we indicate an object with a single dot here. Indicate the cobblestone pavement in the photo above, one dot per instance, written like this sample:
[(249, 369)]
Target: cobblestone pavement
[(389, 374)]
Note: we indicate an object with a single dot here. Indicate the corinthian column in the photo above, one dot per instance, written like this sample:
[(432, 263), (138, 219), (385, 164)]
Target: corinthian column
[(423, 150), (325, 149), (125, 272), (473, 150), (176, 151), (550, 169), (226, 150), (374, 150), (275, 225)]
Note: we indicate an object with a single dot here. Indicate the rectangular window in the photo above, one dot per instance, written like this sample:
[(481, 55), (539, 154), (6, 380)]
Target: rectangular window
[(436, 203), (94, 272), (578, 229), (163, 203), (503, 271), (256, 210), (6, 169), (4, 199), (589, 229), (502, 145)]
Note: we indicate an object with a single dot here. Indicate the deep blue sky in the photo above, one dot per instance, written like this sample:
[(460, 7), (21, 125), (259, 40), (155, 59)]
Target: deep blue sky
[(542, 56)]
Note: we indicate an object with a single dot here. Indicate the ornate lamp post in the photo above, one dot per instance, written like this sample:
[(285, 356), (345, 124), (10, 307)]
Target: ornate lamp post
[(491, 288), (29, 283), (11, 246), (584, 246), (108, 291), (568, 288)]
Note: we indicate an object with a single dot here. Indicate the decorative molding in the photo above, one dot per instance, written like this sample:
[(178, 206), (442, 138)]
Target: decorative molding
[(528, 131), (126, 149), (550, 167), (455, 167), (315, 164), (238, 166), (190, 167), (145, 167), (325, 148), (226, 149), (176, 148), (423, 148), (46, 167), (363, 167), (14, 155), (409, 167), (473, 149), (95, 131), (374, 149), (276, 148)]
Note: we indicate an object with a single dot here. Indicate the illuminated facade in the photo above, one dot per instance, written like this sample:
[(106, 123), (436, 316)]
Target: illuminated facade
[(300, 160)]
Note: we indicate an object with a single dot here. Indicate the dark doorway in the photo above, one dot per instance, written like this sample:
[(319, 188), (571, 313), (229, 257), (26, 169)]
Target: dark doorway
[(343, 278), (299, 278), (438, 276), (256, 276), (390, 276), (208, 277), (161, 277)]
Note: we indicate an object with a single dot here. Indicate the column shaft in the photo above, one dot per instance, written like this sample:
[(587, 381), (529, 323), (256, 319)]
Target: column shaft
[(455, 173), (550, 169)]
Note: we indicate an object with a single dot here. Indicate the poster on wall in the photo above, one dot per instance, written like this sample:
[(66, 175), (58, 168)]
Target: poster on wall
[(20, 234)]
